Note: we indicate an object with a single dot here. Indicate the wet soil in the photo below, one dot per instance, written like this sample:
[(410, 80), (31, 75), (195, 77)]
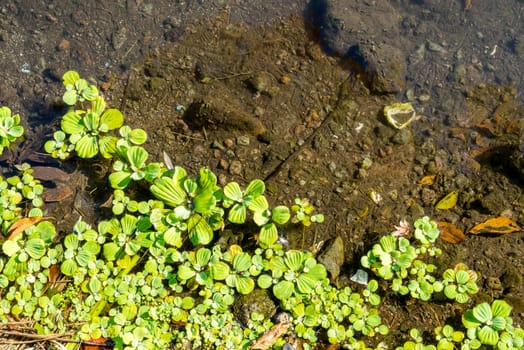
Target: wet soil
[(264, 101)]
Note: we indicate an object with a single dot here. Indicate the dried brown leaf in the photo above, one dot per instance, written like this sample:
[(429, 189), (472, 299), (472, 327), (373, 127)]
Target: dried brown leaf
[(271, 336), (450, 233)]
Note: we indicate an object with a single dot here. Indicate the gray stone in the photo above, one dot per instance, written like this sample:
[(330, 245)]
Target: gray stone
[(332, 257)]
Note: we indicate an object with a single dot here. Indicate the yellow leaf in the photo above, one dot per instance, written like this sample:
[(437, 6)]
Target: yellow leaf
[(427, 180), (448, 202), (500, 225)]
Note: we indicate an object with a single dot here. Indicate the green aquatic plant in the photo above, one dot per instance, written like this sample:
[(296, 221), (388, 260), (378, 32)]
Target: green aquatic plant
[(486, 322), (77, 89), (168, 269), (132, 166), (459, 283), (89, 129), (10, 128)]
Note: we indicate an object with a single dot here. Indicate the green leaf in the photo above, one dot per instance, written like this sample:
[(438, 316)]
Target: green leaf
[(70, 77), (87, 146), (71, 241), (461, 276), (482, 312), (69, 267), (268, 235), (219, 271), (168, 191), (107, 145), (244, 285), (488, 336), (90, 92), (173, 237), (184, 273), (294, 259), (237, 214), (450, 291), (232, 191), (283, 290), (206, 180), (204, 202), (70, 97), (137, 156), (72, 123), (120, 179), (112, 119), (202, 256), (137, 136), (259, 205), (318, 272), (110, 251), (280, 214), (241, 262), (255, 188), (10, 247), (306, 283), (95, 285), (35, 248), (500, 308), (264, 281), (199, 230), (128, 223)]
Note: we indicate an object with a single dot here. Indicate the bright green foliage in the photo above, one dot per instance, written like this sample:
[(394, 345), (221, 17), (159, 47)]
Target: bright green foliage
[(89, 129), (447, 337), (10, 128), (194, 204), (239, 201), (59, 147), (459, 283), (391, 257), (303, 211), (301, 274), (152, 277), (132, 166), (14, 190), (485, 322), (426, 233), (77, 89)]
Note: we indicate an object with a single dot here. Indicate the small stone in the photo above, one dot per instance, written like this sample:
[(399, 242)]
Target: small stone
[(229, 143), (332, 167), (235, 168), (63, 45), (223, 164), (218, 145), (285, 79), (424, 98), (332, 257), (494, 283), (243, 140)]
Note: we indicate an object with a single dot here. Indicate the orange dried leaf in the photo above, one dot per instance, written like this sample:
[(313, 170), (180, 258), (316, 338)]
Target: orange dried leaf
[(271, 336), (450, 233), (448, 202), (500, 225), (54, 270), (92, 344), (21, 225), (427, 180)]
